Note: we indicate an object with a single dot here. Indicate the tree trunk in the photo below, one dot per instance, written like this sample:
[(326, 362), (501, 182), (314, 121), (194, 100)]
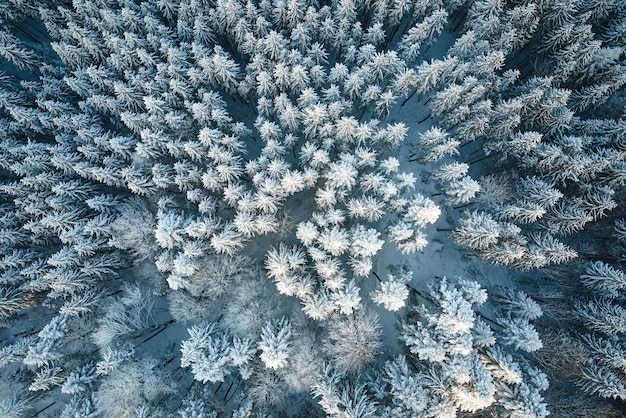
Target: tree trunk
[(218, 387), (232, 382), (159, 329), (477, 160), (363, 113), (234, 391), (408, 98), (41, 410), (464, 206), (461, 16)]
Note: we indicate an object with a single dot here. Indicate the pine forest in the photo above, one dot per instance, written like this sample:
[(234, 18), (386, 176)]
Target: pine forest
[(312, 208)]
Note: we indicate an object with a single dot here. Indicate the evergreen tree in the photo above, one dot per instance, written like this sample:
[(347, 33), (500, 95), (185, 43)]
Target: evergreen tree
[(462, 190), (394, 291), (353, 342), (478, 231), (207, 352), (604, 279), (446, 337), (275, 344)]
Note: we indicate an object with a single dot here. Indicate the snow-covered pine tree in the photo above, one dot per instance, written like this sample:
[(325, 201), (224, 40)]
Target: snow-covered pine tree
[(133, 390), (394, 291), (478, 231), (342, 400), (518, 303), (435, 144), (604, 279), (275, 343), (603, 374), (50, 341), (353, 342), (521, 335), (450, 341), (426, 30), (207, 351), (132, 311), (462, 190)]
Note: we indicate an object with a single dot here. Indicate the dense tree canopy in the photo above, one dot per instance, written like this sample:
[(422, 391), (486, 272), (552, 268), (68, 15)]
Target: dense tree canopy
[(232, 208)]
